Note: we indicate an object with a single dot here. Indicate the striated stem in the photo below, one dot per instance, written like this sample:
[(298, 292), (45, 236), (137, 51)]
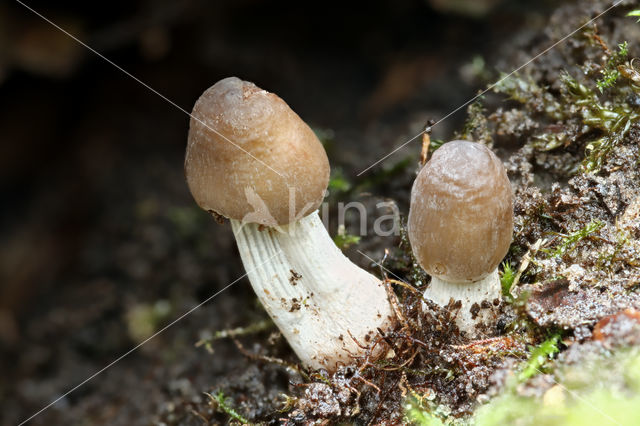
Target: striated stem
[(313, 293), (470, 318)]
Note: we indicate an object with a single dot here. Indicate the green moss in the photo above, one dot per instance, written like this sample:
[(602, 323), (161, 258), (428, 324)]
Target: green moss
[(607, 119), (610, 73), (535, 98), (422, 410), (597, 391), (635, 13), (338, 182), (613, 121), (344, 240), (569, 242), (221, 404), (476, 127), (539, 356), (435, 144), (417, 414), (549, 141), (506, 279)]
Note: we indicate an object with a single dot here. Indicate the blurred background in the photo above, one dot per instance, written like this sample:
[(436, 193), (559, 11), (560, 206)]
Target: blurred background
[(100, 242)]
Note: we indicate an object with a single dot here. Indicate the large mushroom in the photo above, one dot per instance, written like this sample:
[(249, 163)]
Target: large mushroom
[(460, 227), (251, 159)]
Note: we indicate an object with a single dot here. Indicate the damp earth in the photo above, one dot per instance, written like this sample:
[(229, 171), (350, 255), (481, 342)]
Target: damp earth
[(84, 288)]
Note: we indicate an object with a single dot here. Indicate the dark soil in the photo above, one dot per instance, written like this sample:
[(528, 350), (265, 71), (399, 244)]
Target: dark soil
[(102, 246)]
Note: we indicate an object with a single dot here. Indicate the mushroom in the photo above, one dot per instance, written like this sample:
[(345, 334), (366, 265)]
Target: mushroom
[(460, 227), (251, 159)]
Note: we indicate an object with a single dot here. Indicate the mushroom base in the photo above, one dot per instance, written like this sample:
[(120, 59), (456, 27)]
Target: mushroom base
[(324, 305), (478, 309)]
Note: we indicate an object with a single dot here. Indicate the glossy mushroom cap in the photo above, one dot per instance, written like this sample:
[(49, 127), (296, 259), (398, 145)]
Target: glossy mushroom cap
[(249, 154), (461, 216)]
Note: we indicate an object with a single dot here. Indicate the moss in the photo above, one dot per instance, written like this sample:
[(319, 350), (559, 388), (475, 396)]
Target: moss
[(555, 123), (569, 242), (539, 356), (506, 277), (476, 127), (598, 391), (417, 413), (568, 125), (610, 73), (535, 98), (220, 402), (338, 182), (635, 13), (572, 112), (344, 240), (435, 144), (549, 141), (613, 122)]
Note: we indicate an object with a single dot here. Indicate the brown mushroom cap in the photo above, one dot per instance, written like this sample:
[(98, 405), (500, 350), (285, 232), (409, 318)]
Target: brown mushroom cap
[(248, 153), (461, 216)]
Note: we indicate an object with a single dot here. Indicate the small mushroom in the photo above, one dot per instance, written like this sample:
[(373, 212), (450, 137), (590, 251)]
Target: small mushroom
[(460, 228), (250, 158)]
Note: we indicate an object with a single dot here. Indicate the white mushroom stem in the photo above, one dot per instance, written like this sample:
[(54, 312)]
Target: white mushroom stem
[(314, 294), (485, 290)]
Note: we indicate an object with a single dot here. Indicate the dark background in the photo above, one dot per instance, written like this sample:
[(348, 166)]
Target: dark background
[(97, 229)]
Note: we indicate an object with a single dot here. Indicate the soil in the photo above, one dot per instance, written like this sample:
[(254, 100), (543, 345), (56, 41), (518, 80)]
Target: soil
[(103, 247)]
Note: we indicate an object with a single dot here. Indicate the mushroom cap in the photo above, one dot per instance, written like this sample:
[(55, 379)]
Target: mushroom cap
[(250, 157), (461, 215)]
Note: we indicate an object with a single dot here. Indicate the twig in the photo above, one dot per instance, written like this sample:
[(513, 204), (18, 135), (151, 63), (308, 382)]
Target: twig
[(526, 259), (256, 327), (271, 360), (426, 142)]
